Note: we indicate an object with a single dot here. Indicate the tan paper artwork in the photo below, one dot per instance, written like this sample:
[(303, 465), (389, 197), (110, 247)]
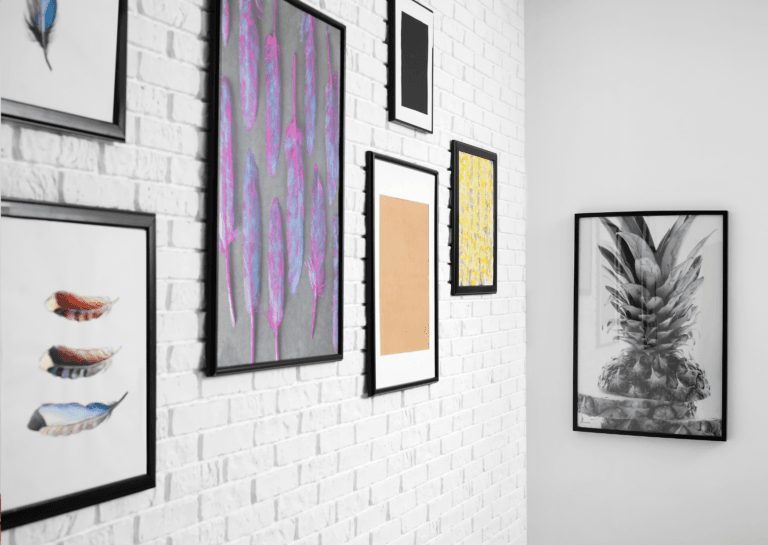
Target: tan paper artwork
[(403, 275)]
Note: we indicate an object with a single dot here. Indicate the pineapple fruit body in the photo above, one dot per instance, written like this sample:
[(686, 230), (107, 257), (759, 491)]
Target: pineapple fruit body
[(653, 295), (638, 374)]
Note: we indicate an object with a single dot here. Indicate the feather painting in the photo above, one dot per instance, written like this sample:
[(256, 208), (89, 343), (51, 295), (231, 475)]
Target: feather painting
[(317, 246), (225, 21), (70, 418), (274, 107), (295, 214), (227, 231), (335, 229), (310, 97), (251, 243), (249, 62), (78, 308), (66, 362), (332, 126), (40, 18), (276, 272)]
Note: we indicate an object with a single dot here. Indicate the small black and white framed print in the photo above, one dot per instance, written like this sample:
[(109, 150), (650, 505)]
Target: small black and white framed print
[(650, 324), (474, 229), (77, 323), (411, 46), (402, 302), (64, 65)]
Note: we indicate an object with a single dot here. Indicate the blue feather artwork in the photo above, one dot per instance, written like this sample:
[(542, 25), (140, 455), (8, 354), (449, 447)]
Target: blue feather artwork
[(70, 418), (41, 15)]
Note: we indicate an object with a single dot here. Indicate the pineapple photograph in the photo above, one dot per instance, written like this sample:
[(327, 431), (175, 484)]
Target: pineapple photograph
[(650, 324)]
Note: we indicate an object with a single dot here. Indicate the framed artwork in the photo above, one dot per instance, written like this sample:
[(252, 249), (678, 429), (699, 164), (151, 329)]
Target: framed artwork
[(661, 293), (78, 362), (61, 70), (411, 47), (473, 249), (275, 282), (401, 299)]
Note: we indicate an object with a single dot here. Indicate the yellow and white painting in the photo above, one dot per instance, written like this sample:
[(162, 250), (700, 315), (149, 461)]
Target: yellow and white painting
[(475, 220)]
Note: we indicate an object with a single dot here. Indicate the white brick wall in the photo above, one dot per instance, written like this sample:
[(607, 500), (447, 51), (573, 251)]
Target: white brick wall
[(299, 455)]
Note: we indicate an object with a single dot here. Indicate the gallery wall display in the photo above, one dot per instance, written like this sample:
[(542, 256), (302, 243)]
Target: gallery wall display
[(475, 196), (411, 46), (275, 282), (64, 65), (77, 399), (650, 320), (401, 274)]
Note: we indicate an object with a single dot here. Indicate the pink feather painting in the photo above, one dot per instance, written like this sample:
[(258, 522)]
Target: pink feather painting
[(332, 126), (249, 62), (335, 229), (317, 248), (274, 108), (276, 272), (310, 97), (295, 214), (225, 21), (227, 231), (251, 243)]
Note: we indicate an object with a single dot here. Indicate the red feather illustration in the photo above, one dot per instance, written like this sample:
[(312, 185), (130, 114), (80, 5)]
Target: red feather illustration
[(77, 307), (66, 362)]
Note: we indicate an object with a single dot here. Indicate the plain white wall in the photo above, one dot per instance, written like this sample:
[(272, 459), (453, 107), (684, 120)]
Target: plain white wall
[(643, 105)]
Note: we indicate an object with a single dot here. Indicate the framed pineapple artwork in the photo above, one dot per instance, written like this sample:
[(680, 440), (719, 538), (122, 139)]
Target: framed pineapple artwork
[(275, 282), (64, 65), (401, 261), (658, 367), (77, 325), (411, 29), (475, 203)]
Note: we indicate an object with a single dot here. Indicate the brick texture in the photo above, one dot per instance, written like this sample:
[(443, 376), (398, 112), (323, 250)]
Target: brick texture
[(299, 455)]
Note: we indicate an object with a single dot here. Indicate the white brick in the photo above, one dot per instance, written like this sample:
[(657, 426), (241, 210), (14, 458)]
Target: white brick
[(93, 190), (25, 181)]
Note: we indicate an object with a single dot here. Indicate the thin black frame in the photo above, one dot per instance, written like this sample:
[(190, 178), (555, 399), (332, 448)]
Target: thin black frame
[(101, 217), (370, 288), (392, 105), (45, 118), (457, 147), (212, 196), (576, 427)]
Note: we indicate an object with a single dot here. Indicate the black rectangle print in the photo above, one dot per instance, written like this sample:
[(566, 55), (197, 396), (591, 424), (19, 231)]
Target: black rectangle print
[(414, 47)]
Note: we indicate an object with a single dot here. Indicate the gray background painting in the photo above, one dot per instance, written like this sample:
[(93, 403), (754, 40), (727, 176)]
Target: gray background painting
[(234, 343)]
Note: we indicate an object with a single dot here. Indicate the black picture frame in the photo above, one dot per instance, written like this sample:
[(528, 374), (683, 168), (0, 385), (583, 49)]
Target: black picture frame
[(395, 110), (100, 217), (724, 355), (373, 388), (456, 148), (62, 122), (212, 369)]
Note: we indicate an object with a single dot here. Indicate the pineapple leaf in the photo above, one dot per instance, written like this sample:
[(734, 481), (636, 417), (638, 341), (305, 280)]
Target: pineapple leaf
[(618, 265), (623, 250), (619, 296), (634, 312), (690, 276), (638, 246), (648, 273), (700, 245), (672, 248), (636, 225), (637, 293)]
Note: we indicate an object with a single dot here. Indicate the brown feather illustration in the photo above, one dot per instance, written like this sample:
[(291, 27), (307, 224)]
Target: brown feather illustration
[(77, 307), (66, 362)]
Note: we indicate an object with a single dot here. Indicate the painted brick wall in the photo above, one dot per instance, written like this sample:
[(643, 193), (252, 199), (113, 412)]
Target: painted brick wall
[(300, 455)]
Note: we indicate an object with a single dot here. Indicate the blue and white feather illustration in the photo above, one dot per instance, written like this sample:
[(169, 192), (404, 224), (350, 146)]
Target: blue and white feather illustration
[(41, 15), (70, 418)]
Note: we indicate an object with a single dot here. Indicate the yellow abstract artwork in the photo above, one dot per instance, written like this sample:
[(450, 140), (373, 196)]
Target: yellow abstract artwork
[(475, 220)]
